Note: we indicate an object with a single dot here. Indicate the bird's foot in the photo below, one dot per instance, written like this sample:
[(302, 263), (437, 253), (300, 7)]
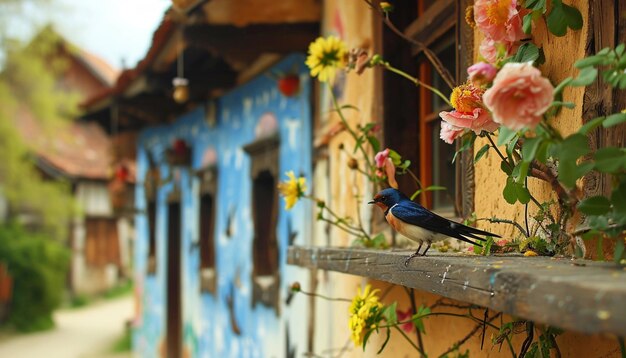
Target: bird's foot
[(408, 259)]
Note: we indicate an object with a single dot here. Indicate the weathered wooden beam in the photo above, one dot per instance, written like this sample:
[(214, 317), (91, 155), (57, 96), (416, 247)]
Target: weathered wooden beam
[(253, 39), (580, 295)]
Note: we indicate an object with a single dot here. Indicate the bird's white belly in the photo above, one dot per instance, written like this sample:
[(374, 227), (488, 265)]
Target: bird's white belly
[(420, 235), (413, 232)]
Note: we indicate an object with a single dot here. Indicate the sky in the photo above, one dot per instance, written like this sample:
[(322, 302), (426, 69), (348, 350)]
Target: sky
[(119, 31)]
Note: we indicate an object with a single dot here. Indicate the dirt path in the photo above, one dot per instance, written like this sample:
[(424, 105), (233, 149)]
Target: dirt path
[(87, 332)]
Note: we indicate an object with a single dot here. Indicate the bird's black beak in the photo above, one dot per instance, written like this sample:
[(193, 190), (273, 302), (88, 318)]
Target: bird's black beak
[(372, 202)]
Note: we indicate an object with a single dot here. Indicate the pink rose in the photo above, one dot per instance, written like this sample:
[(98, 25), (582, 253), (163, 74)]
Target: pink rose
[(481, 73), (499, 20), (478, 120), (390, 170), (381, 157), (491, 50), (519, 96), (449, 132)]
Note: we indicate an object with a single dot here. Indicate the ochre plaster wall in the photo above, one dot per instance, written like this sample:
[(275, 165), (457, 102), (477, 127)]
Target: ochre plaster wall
[(352, 21), (560, 53), (331, 320)]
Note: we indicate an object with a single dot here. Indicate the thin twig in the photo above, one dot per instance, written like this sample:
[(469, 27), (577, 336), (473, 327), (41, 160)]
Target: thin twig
[(336, 224), (462, 341), (409, 340), (411, 294), (506, 221), (324, 297), (345, 123), (528, 340), (430, 55)]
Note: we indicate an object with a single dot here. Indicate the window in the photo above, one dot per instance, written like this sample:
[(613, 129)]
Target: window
[(174, 301), (264, 173), (414, 114), (436, 167), (206, 230), (265, 250), (151, 184), (151, 213), (101, 242)]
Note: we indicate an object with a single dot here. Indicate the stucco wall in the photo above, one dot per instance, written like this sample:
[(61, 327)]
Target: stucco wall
[(208, 328), (560, 53), (441, 332)]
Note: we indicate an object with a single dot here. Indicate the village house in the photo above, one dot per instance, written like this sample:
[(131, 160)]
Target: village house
[(99, 237), (222, 107)]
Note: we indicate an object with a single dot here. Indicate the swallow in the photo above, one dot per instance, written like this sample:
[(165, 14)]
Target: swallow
[(420, 224)]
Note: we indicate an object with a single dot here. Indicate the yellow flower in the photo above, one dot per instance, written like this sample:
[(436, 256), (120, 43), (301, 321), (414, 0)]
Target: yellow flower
[(326, 55), (530, 253), (466, 97), (292, 190), (385, 6), (364, 313)]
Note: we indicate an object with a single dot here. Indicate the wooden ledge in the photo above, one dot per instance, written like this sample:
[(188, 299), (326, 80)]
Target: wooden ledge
[(578, 295)]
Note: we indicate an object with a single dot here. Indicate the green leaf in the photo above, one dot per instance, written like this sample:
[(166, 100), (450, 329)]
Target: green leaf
[(591, 125), (358, 143), (539, 5), (418, 317), (574, 17), (505, 167), (374, 143), (523, 171), (482, 151), (487, 246), (569, 172), (614, 119), (368, 333), (386, 341), (589, 61), (390, 314), (574, 147), (609, 159), (542, 152), (556, 19), (563, 16), (527, 23), (595, 205), (530, 147), (510, 193), (523, 195), (618, 198), (505, 135), (528, 52), (618, 253), (586, 76)]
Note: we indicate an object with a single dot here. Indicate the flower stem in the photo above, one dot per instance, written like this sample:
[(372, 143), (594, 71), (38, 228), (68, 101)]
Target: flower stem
[(416, 81), (409, 340), (324, 297), (345, 123), (495, 147)]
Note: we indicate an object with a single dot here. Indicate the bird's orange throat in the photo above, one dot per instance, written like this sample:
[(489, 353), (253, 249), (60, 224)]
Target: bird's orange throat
[(382, 206)]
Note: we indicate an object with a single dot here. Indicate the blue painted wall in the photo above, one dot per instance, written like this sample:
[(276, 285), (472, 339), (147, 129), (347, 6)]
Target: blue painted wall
[(207, 328)]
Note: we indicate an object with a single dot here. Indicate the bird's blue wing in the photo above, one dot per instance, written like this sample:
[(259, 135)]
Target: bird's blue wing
[(415, 214)]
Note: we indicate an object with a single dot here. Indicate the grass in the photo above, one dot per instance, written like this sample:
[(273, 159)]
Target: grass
[(120, 290), (124, 343)]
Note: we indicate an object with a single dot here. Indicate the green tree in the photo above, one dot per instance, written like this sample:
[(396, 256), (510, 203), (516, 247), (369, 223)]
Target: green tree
[(28, 83)]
